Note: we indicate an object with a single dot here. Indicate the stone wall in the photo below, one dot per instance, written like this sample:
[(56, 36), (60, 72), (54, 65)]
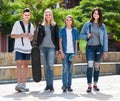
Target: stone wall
[(8, 66), (7, 59)]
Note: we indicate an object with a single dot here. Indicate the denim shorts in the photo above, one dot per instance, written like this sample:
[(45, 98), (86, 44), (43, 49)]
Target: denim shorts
[(22, 56)]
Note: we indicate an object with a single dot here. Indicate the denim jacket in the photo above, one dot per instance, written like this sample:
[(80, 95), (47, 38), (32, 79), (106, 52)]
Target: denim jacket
[(63, 35), (103, 34)]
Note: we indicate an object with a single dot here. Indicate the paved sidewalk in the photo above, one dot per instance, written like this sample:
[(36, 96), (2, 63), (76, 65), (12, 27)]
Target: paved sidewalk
[(109, 91)]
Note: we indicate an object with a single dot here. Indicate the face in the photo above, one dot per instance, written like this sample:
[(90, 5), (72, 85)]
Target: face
[(48, 16), (26, 16), (68, 21), (96, 15)]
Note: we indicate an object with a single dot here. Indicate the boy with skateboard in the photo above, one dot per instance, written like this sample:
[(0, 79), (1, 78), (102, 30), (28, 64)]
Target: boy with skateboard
[(22, 48)]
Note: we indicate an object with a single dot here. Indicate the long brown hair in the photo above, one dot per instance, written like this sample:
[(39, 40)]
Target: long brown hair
[(100, 20)]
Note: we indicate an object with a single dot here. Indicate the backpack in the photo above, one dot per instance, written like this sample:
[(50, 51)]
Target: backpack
[(23, 28)]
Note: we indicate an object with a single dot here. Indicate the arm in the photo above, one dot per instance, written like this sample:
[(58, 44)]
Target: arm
[(56, 38), (86, 31), (40, 35), (76, 47), (15, 36), (105, 40), (61, 50), (60, 45), (83, 34), (105, 44)]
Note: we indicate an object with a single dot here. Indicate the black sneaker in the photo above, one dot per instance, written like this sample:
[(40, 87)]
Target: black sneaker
[(69, 89), (51, 88), (96, 88), (89, 89), (64, 89), (47, 88)]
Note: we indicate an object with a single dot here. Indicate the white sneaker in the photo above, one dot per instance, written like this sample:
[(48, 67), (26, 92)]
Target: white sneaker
[(18, 88), (23, 88)]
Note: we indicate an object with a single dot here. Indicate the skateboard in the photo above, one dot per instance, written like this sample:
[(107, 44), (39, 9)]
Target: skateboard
[(36, 64)]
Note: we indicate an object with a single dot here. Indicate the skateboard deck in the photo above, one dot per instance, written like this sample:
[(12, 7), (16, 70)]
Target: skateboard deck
[(36, 64)]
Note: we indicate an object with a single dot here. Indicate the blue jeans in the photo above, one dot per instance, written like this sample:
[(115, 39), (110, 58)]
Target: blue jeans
[(67, 71), (48, 56), (94, 57)]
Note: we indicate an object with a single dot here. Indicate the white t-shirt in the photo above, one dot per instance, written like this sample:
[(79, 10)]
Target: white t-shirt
[(70, 48), (18, 46)]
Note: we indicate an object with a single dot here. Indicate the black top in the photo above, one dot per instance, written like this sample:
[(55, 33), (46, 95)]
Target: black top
[(54, 35)]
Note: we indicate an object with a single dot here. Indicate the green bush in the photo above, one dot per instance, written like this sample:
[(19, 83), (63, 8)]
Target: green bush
[(82, 45)]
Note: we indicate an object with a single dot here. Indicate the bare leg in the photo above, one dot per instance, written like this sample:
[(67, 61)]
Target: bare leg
[(25, 70), (19, 69)]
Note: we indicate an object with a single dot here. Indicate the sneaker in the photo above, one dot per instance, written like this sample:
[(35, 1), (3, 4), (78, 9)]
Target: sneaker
[(18, 88), (96, 88), (89, 89), (64, 89), (69, 89), (23, 88), (51, 88), (46, 88)]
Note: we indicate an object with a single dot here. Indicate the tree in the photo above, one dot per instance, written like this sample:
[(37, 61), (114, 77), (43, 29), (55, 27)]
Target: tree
[(11, 11), (111, 13)]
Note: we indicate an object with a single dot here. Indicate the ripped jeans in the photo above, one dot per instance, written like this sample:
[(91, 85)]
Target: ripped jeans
[(94, 57)]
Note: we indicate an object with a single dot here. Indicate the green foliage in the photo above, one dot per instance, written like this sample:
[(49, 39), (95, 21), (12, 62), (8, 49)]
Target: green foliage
[(111, 13), (82, 45), (11, 11), (61, 13)]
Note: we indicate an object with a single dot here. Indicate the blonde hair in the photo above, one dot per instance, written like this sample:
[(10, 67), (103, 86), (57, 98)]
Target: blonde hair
[(71, 17), (52, 22)]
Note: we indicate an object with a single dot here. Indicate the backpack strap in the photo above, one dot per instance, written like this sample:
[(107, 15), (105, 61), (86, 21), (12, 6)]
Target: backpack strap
[(23, 28), (22, 25), (89, 32), (29, 25), (89, 28)]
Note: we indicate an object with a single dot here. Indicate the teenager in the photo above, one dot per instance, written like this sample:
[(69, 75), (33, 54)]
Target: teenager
[(48, 41), (22, 48), (68, 37), (94, 31)]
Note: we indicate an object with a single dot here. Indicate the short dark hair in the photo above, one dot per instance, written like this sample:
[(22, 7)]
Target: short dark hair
[(26, 10)]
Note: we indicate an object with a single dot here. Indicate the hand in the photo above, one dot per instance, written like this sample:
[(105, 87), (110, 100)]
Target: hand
[(62, 55), (24, 35), (57, 52), (74, 57), (30, 36), (89, 35), (105, 55)]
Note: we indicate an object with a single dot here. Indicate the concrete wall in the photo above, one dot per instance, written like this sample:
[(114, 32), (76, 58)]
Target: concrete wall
[(7, 59), (109, 66)]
